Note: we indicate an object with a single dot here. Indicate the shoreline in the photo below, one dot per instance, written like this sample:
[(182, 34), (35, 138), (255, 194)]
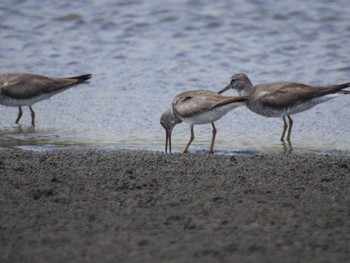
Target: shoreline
[(282, 150), (93, 205)]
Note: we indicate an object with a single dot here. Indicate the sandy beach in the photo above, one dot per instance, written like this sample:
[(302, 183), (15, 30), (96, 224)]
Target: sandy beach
[(80, 205)]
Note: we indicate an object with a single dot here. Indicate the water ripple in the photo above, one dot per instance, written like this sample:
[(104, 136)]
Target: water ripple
[(142, 53)]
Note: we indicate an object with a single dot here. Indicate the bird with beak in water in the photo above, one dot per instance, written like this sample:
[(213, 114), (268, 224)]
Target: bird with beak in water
[(197, 107)]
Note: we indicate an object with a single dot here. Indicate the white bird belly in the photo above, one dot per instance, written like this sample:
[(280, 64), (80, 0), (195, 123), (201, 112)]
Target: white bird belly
[(296, 108), (209, 116), (8, 101)]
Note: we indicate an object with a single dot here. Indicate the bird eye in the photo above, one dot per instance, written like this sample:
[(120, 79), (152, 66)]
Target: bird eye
[(233, 81)]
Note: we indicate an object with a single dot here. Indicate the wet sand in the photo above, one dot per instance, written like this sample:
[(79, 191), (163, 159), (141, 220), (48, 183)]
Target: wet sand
[(133, 206)]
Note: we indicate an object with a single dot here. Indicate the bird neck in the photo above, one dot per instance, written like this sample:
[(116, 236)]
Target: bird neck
[(174, 116), (245, 89)]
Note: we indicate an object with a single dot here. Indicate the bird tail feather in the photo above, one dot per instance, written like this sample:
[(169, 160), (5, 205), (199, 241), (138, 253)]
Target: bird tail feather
[(82, 78)]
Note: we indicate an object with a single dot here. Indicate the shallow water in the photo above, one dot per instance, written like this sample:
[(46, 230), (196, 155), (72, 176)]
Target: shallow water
[(142, 53)]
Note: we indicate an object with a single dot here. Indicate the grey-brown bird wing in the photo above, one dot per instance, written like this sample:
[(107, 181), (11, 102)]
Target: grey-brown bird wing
[(24, 86), (286, 94), (190, 103)]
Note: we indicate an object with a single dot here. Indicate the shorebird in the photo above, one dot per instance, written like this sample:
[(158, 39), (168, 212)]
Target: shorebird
[(22, 89), (197, 107), (282, 99)]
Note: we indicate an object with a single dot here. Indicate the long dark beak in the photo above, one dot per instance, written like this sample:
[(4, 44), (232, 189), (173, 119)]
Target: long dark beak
[(167, 140), (225, 89)]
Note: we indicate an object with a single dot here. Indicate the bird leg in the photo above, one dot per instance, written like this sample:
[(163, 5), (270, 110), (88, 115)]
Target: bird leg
[(211, 150), (33, 115), (190, 141), (290, 128), (19, 115), (284, 128), (287, 148)]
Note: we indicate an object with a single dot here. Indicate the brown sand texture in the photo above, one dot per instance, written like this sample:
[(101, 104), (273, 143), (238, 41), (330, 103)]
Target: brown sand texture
[(77, 205)]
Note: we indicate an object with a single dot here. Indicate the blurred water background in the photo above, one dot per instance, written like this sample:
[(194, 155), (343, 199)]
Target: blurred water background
[(142, 53)]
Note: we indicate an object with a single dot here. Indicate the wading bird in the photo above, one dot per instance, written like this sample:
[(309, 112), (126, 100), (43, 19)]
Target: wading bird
[(22, 89), (282, 99), (197, 107)]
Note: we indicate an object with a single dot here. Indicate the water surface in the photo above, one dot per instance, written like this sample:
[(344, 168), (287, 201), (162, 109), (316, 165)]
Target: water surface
[(142, 53)]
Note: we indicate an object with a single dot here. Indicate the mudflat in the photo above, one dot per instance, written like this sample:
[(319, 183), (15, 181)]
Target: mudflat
[(77, 205)]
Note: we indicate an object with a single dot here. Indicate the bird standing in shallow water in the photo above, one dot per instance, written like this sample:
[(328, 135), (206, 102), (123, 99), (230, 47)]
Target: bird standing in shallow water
[(197, 107), (282, 99), (22, 89)]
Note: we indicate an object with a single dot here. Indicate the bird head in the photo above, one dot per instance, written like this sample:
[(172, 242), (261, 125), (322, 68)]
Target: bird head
[(239, 82), (168, 120)]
